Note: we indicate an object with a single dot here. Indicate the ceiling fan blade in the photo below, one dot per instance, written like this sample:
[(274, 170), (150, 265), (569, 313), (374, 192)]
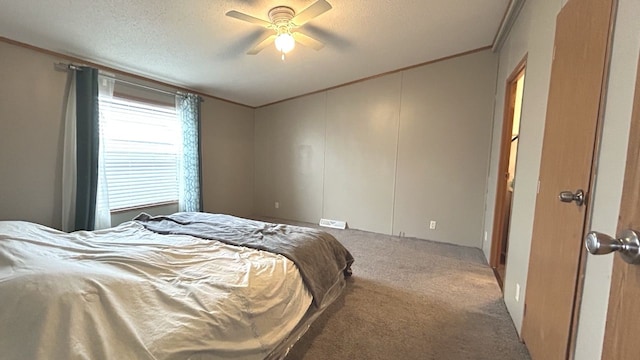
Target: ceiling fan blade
[(262, 44), (317, 8), (248, 18), (307, 40)]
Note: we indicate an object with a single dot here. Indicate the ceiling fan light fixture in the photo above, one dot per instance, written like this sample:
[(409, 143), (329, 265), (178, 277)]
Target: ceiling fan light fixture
[(285, 42), (284, 20)]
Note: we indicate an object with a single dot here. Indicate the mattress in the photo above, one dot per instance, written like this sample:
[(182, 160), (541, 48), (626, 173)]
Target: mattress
[(131, 293)]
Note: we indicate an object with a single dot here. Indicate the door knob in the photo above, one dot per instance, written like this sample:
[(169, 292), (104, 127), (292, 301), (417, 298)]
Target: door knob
[(627, 244), (568, 196)]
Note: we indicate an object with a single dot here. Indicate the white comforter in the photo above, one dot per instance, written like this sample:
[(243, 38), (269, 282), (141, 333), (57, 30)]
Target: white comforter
[(128, 293)]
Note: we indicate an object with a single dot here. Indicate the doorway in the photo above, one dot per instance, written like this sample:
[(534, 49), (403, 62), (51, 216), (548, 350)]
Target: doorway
[(507, 170)]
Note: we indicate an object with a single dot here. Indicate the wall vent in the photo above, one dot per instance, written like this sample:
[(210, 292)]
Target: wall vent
[(336, 224)]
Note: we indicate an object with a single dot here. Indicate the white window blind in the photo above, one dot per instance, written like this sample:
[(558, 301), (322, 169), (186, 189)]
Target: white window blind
[(142, 142)]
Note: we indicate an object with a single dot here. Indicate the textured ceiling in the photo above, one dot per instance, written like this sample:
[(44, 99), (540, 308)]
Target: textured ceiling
[(193, 44)]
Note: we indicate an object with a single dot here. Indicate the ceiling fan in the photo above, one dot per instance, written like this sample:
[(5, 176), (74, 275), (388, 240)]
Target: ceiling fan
[(285, 22)]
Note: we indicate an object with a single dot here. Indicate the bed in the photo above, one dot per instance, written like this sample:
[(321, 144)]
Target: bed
[(182, 286)]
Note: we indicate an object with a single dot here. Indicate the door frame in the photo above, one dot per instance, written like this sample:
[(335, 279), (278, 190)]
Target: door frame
[(497, 234)]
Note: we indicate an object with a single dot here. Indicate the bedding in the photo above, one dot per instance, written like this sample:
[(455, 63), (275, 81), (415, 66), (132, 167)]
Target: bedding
[(132, 293), (323, 262)]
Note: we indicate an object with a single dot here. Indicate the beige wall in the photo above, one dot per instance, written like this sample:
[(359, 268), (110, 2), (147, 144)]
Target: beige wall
[(443, 153), (378, 153), (289, 158), (32, 98), (360, 155), (227, 157), (532, 35), (31, 117)]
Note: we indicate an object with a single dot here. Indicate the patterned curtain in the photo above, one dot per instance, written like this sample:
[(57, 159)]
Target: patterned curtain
[(190, 196)]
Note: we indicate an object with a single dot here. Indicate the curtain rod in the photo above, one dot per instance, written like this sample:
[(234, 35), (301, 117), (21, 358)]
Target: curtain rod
[(63, 66)]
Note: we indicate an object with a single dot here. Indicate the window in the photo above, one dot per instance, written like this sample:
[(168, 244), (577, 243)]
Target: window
[(142, 145)]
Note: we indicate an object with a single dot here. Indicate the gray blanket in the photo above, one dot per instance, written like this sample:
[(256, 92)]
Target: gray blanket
[(322, 261)]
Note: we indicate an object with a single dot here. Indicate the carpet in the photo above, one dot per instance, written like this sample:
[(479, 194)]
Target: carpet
[(412, 299)]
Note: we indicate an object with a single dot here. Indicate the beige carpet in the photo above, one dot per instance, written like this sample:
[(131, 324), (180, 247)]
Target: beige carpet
[(412, 299)]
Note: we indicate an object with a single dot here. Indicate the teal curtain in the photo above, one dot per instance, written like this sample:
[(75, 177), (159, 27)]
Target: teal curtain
[(190, 182), (87, 145)]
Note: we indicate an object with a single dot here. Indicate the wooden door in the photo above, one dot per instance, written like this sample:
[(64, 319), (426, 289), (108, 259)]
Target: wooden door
[(573, 112), (623, 316)]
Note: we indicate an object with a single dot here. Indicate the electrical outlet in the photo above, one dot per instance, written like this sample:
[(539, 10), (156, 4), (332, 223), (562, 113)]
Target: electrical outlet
[(432, 225), (517, 292), (276, 205)]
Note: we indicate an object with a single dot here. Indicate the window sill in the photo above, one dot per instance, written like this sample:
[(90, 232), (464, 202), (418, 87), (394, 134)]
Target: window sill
[(142, 207)]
